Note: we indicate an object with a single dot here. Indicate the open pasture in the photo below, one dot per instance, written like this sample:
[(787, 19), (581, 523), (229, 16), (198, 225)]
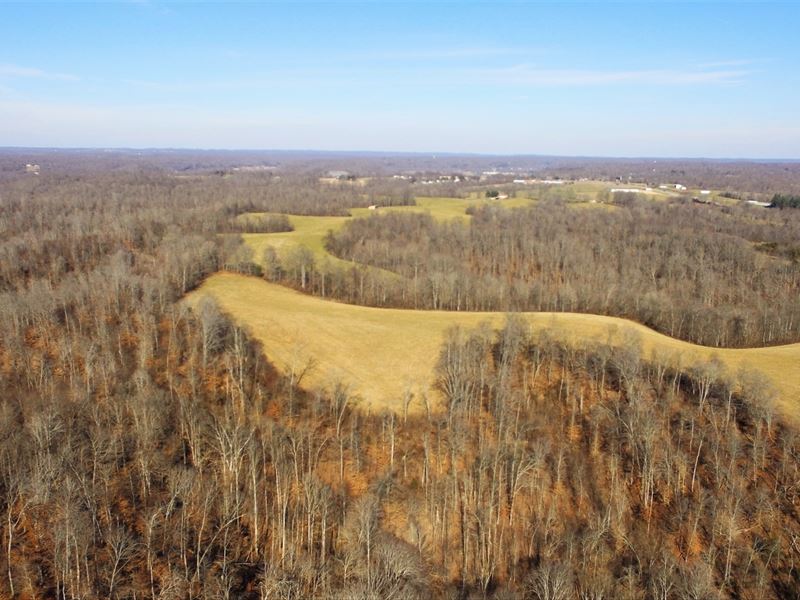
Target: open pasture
[(381, 353)]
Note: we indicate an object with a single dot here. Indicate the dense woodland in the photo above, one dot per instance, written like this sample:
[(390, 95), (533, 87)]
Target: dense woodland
[(711, 275), (149, 450), (785, 201)]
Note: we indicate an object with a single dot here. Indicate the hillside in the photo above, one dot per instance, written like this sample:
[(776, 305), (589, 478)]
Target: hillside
[(381, 352)]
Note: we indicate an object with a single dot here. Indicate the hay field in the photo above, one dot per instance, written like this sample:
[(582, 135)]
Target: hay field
[(382, 352)]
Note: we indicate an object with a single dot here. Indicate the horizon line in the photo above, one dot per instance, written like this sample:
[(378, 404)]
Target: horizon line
[(432, 154)]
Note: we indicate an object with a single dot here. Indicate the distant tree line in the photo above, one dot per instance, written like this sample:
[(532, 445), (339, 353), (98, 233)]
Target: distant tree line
[(259, 223), (751, 177)]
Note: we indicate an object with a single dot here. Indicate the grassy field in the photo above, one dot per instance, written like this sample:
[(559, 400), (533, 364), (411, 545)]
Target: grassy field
[(447, 208), (382, 352), (310, 231)]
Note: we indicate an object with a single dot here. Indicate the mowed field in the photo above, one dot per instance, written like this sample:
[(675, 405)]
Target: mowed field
[(381, 353)]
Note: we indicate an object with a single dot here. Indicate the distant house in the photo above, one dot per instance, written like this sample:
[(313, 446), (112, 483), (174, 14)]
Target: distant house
[(680, 188), (372, 207), (757, 203), (29, 168), (705, 192), (625, 190)]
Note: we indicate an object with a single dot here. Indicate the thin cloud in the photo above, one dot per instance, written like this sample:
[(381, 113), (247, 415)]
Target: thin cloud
[(449, 53), (16, 71), (725, 63), (520, 76), (173, 87), (525, 75)]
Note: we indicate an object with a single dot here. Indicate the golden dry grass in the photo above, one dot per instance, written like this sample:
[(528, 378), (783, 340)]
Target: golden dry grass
[(382, 352)]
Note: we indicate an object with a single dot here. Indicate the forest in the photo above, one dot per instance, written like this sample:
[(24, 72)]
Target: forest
[(785, 201), (150, 450), (687, 271)]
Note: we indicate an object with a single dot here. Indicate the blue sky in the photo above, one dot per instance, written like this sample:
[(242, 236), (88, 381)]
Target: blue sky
[(714, 79)]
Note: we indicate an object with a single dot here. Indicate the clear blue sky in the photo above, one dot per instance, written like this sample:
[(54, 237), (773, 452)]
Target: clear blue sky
[(622, 79)]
